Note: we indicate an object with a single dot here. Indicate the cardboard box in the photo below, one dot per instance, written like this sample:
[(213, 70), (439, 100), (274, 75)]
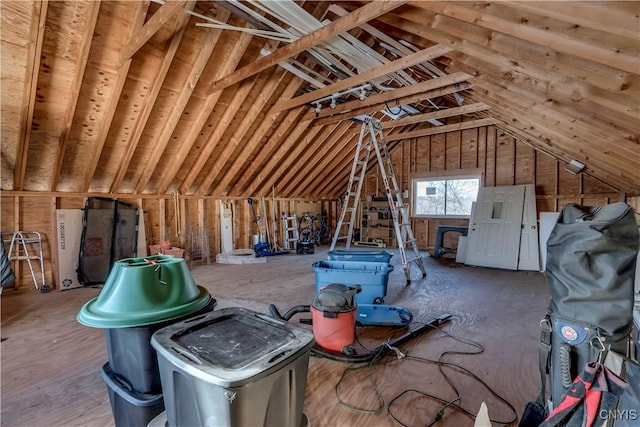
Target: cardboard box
[(69, 234)]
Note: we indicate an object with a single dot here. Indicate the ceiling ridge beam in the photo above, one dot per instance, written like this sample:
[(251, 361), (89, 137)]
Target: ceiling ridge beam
[(180, 27), (390, 67), (81, 65), (184, 94), (150, 28), (364, 14)]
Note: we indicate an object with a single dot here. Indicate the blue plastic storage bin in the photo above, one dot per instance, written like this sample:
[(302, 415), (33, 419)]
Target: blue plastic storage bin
[(371, 276), (366, 255)]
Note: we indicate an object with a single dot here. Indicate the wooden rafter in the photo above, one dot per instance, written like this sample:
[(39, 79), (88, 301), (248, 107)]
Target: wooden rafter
[(557, 104), (225, 156), (36, 38), (622, 20), (439, 114), (265, 155), (392, 95), (87, 37), (267, 175), (140, 122), (293, 154), (316, 162), (215, 138), (539, 62), (443, 129), (398, 64), (244, 156), (382, 105), (365, 13), (151, 27), (112, 102), (184, 94), (231, 61)]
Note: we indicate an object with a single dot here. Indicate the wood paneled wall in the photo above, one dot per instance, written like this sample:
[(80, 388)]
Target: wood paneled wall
[(176, 219), (500, 158)]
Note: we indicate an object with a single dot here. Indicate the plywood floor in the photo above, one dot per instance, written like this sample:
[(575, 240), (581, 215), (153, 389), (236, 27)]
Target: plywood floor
[(51, 364)]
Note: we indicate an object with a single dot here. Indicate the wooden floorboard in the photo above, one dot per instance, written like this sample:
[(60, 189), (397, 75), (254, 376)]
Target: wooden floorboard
[(50, 364)]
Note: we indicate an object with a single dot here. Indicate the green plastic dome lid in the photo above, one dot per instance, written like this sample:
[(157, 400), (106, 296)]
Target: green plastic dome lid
[(144, 291)]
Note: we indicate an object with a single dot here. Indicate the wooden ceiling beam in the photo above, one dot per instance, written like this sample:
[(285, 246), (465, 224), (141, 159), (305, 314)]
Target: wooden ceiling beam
[(438, 114), (112, 103), (366, 76), (295, 155), (623, 19), (470, 124), (184, 94), (392, 95), (171, 169), (244, 159), (226, 156), (555, 101), (527, 132), (312, 161), (140, 122), (539, 62), (483, 15), (290, 124), (605, 163), (580, 134), (151, 27), (364, 14), (81, 65), (216, 137), (411, 99), (268, 175), (32, 69)]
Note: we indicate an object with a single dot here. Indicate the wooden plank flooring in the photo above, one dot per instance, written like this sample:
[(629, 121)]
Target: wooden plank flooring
[(51, 364)]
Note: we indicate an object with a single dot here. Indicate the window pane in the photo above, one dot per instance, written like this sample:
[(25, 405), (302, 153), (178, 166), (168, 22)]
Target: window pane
[(442, 197), (460, 194)]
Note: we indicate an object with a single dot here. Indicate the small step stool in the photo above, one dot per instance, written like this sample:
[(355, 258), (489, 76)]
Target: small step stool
[(27, 246), (442, 229)]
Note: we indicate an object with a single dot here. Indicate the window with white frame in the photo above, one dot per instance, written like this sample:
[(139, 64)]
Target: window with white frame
[(444, 196)]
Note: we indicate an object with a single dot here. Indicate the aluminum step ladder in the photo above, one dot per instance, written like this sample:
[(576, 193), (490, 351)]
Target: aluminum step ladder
[(347, 218), (27, 246), (372, 138), (290, 229)]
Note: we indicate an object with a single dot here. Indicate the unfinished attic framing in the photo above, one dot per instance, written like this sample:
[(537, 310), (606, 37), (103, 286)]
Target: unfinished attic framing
[(175, 106), (203, 114)]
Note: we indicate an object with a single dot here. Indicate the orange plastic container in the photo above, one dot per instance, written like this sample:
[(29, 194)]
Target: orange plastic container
[(334, 316)]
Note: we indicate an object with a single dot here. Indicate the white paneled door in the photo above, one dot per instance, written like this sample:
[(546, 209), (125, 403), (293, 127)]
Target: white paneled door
[(494, 230)]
